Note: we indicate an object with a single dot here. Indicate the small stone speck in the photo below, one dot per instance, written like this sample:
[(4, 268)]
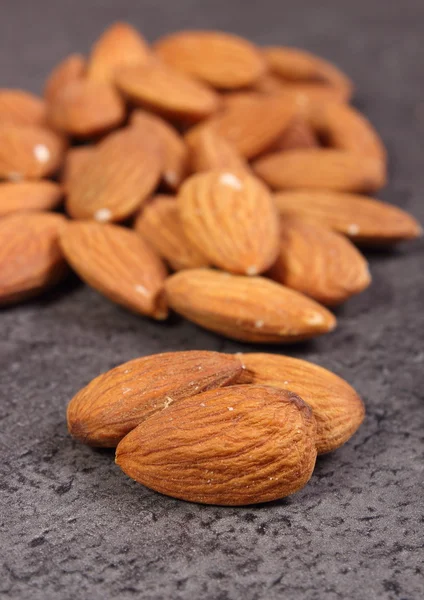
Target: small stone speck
[(103, 215), (41, 153), (231, 180)]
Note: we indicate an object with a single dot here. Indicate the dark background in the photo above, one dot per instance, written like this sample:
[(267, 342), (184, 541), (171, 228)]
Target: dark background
[(72, 524)]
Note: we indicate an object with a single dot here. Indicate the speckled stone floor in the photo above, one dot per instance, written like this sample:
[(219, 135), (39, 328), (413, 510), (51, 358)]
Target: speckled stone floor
[(72, 525)]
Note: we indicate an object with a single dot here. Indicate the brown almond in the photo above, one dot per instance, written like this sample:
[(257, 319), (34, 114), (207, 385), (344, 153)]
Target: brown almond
[(321, 169), (71, 69), (103, 412), (117, 179), (252, 309), (18, 107), (30, 256), (221, 59), (297, 65), (120, 45), (231, 219), (243, 444), (210, 151), (303, 94), (28, 195), (337, 408), (85, 108), (159, 224), (75, 161), (29, 152), (319, 262), (365, 220), (174, 152), (117, 263), (299, 135), (167, 91)]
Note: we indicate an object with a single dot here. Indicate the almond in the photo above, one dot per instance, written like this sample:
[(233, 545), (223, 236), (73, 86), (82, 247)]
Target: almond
[(75, 161), (28, 195), (345, 128), (365, 220), (118, 264), (118, 46), (30, 256), (337, 408), (321, 169), (210, 151), (174, 152), (85, 108), (230, 446), (69, 70), (298, 135), (167, 91), (117, 179), (221, 59), (304, 94), (21, 108), (29, 152), (159, 224), (251, 122), (252, 309), (103, 412), (297, 65), (319, 263), (231, 219)]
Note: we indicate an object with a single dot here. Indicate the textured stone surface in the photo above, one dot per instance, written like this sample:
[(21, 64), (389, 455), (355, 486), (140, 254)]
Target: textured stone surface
[(72, 525)]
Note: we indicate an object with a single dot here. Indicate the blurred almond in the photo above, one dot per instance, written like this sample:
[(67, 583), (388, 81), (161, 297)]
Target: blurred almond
[(103, 412), (365, 220), (117, 263), (321, 169), (30, 256), (120, 175), (318, 262), (210, 151), (159, 224), (231, 219), (221, 59), (337, 408), (120, 45), (167, 91), (18, 107), (298, 135), (303, 94), (252, 309), (69, 70), (28, 195), (75, 161), (84, 108), (29, 152)]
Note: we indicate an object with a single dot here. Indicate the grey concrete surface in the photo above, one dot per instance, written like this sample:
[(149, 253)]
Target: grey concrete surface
[(72, 525)]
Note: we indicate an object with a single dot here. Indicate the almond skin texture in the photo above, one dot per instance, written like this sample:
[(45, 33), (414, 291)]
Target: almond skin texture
[(231, 219), (85, 108), (365, 220), (251, 309), (167, 91), (21, 108), (251, 122), (221, 59), (319, 169), (69, 70), (28, 152), (116, 180), (103, 412), (159, 224), (297, 65), (30, 256), (210, 151), (117, 263), (337, 408), (75, 161), (118, 46), (231, 446), (28, 195), (174, 152), (319, 262)]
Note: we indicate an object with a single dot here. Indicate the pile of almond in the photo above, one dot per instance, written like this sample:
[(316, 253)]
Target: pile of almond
[(242, 169), (217, 428)]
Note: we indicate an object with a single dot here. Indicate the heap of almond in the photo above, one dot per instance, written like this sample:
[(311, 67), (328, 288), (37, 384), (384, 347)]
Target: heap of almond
[(240, 168), (217, 428)]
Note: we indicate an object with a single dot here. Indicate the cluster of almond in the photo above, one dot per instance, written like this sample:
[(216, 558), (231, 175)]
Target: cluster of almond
[(217, 428), (262, 159)]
